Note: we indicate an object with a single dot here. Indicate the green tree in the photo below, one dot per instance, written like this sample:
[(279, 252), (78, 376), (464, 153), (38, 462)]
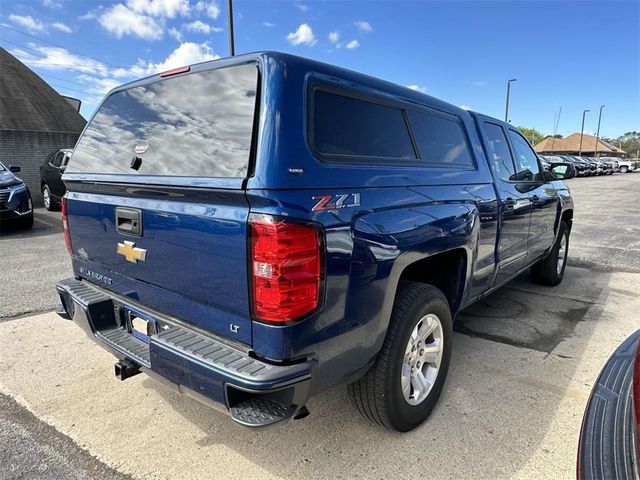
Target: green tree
[(629, 142), (533, 135)]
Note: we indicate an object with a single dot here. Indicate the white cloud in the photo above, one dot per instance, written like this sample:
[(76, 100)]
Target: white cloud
[(479, 83), (32, 24), (268, 24), (334, 37), (160, 8), (212, 9), (302, 36), (175, 33), (62, 27), (418, 88), (465, 107), (301, 7), (99, 78), (121, 20), (352, 44), (198, 27), (51, 4), (54, 58), (363, 27)]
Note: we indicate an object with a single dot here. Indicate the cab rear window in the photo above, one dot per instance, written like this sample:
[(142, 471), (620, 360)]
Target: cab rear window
[(199, 124), (346, 128)]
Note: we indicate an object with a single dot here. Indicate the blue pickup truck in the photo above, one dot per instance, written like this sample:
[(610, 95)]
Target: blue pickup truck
[(255, 230)]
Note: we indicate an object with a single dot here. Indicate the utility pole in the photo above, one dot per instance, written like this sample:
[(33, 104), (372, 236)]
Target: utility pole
[(232, 49), (595, 154), (506, 108), (582, 132), (555, 128)]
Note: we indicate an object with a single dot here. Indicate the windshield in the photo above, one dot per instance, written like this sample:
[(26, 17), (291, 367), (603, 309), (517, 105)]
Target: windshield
[(199, 124)]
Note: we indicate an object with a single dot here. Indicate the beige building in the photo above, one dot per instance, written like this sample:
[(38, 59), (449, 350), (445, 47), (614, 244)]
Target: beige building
[(571, 146)]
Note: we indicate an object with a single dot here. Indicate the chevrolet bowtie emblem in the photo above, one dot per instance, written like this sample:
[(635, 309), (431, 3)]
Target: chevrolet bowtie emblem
[(131, 252)]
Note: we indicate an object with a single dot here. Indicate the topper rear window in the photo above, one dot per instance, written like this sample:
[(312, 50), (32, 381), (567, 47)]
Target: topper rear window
[(198, 124)]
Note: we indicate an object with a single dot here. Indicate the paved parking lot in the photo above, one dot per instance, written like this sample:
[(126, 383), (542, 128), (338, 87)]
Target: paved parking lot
[(523, 365)]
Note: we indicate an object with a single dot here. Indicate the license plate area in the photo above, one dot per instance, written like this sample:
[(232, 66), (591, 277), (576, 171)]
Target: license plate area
[(141, 325)]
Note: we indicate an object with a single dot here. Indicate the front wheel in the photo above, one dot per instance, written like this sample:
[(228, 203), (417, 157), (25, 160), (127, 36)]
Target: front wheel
[(550, 270), (624, 169), (402, 387)]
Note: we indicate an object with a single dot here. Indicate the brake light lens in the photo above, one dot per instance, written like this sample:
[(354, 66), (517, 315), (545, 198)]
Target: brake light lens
[(65, 223), (286, 269)]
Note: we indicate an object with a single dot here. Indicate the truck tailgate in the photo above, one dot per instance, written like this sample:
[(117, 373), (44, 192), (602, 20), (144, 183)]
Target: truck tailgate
[(195, 258)]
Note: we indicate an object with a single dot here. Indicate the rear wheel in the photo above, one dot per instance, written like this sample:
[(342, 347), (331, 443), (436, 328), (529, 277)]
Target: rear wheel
[(46, 198), (550, 270), (401, 389)]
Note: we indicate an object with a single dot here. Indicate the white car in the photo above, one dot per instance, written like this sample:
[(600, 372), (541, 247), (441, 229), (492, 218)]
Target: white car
[(623, 165)]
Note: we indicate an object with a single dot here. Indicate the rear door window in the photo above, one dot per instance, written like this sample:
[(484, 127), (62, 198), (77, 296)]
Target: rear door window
[(198, 124), (440, 139), (501, 161), (56, 161), (345, 127)]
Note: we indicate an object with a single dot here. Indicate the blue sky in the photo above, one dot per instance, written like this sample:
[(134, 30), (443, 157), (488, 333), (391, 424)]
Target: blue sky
[(574, 54)]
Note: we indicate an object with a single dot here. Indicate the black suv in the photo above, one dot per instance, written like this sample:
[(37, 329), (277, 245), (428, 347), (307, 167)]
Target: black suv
[(51, 183)]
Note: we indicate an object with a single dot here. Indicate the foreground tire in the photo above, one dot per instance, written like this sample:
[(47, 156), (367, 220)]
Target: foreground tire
[(624, 169), (403, 386), (550, 270)]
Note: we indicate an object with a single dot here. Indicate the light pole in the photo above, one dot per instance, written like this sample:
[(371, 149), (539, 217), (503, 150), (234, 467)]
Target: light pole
[(595, 154), (232, 49), (506, 108), (582, 132)]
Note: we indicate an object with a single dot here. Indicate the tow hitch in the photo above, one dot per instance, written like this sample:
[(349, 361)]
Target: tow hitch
[(125, 369)]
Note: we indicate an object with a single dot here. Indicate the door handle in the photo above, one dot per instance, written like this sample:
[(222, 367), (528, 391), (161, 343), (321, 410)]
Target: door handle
[(509, 203), (129, 221)]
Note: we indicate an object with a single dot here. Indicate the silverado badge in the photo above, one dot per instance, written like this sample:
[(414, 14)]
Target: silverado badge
[(131, 252)]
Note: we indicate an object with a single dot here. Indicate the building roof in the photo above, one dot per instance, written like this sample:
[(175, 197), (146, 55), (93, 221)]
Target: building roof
[(28, 103), (571, 143)]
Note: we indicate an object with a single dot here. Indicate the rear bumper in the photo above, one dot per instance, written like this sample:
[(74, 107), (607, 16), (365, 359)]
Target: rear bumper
[(254, 392)]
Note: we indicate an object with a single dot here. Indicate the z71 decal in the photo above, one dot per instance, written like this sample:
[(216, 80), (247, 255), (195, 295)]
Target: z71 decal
[(333, 202)]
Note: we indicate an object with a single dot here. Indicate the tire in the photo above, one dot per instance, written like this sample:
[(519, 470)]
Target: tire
[(624, 169), (550, 270), (27, 222), (49, 204), (379, 394)]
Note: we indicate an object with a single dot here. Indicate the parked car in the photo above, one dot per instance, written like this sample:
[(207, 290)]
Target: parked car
[(560, 168), (625, 165), (609, 438), (583, 169), (258, 229), (51, 183), (16, 206)]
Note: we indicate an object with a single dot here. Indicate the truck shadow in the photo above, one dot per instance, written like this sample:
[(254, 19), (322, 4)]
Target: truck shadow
[(514, 357)]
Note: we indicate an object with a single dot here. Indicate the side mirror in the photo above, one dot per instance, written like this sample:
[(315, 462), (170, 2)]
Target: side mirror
[(14, 168), (563, 171)]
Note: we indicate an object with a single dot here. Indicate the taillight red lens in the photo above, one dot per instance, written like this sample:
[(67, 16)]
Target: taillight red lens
[(285, 269), (65, 224)]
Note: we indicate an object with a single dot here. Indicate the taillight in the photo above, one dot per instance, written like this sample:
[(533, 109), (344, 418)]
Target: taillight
[(285, 268), (65, 223)]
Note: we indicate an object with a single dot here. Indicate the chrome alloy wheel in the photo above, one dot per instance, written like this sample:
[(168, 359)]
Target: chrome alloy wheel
[(562, 254), (46, 198), (422, 359)]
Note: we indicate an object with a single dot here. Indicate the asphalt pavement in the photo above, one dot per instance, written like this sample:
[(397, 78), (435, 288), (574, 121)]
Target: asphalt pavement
[(523, 365)]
